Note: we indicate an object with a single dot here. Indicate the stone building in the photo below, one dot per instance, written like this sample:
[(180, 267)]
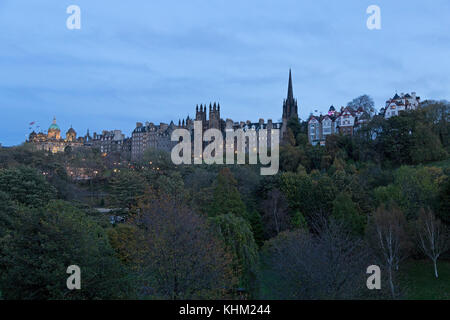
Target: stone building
[(151, 136), (159, 136), (108, 141), (344, 122), (52, 140), (400, 103)]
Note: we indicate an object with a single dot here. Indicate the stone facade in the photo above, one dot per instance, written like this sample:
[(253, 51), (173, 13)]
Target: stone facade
[(53, 142), (344, 122), (290, 107), (108, 141), (151, 136)]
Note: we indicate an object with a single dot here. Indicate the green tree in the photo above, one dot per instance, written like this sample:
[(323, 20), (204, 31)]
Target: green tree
[(298, 191), (42, 243), (157, 159), (443, 211), (26, 186), (419, 188), (290, 158), (7, 213), (295, 126), (345, 210), (226, 197), (256, 225), (174, 252), (126, 187), (426, 145), (238, 238)]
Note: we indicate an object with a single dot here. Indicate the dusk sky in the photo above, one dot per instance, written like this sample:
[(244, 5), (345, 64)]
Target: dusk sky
[(142, 60)]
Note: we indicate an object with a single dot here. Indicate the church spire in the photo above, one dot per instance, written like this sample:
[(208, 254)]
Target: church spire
[(290, 95), (290, 109)]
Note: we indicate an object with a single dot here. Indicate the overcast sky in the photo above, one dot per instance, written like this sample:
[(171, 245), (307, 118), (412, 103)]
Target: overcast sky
[(141, 60)]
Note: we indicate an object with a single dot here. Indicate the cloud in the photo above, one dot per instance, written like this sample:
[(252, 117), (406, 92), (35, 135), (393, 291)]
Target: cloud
[(155, 60)]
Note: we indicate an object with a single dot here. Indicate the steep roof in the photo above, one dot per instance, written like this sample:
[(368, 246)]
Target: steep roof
[(290, 94)]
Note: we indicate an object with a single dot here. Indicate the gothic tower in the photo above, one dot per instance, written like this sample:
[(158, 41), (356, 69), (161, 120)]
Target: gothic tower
[(214, 116), (290, 109), (200, 115)]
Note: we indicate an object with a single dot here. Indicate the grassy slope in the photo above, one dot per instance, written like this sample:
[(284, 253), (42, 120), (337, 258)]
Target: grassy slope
[(418, 279)]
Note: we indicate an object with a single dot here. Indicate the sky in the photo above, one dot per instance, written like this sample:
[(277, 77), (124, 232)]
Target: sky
[(156, 60)]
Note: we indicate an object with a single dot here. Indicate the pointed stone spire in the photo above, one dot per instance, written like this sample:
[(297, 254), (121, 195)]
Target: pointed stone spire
[(290, 95), (290, 109)]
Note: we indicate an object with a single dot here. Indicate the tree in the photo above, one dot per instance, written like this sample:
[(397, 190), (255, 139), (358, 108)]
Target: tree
[(294, 125), (345, 210), (364, 101), (7, 213), (124, 239), (298, 265), (176, 255), (409, 138), (126, 187), (226, 197), (275, 213), (419, 188), (254, 218), (288, 138), (167, 182), (389, 239), (433, 237), (290, 157), (444, 201), (26, 186), (437, 114), (157, 159), (41, 243), (237, 235), (298, 191), (426, 145)]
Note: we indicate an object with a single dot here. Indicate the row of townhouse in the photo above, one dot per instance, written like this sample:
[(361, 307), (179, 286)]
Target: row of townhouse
[(348, 120), (345, 122)]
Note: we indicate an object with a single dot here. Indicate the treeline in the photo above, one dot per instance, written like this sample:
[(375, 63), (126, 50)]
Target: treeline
[(208, 232)]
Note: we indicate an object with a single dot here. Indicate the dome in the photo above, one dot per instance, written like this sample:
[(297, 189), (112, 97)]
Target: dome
[(71, 130), (54, 126)]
